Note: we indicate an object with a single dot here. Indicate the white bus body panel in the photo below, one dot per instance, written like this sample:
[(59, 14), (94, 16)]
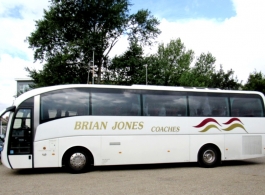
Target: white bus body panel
[(147, 139), (46, 153), (92, 143), (110, 144), (20, 161), (244, 146), (197, 141), (233, 147), (114, 150), (144, 149)]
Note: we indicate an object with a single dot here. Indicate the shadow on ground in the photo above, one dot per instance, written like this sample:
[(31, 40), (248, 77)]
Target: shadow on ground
[(132, 167)]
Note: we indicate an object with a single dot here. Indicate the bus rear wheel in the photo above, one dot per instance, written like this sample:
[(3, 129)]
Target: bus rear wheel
[(77, 161), (209, 157)]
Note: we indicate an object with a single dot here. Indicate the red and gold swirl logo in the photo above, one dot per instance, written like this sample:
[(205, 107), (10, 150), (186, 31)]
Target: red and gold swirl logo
[(210, 123)]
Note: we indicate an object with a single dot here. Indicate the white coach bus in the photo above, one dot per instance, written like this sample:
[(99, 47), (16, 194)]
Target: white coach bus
[(79, 126)]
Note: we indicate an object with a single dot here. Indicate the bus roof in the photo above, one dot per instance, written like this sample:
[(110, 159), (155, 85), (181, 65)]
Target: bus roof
[(41, 90)]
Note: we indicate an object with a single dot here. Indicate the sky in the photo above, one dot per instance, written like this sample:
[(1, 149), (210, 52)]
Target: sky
[(233, 31)]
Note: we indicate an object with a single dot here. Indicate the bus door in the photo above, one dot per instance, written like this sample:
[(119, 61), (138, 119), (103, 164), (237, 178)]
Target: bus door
[(20, 139)]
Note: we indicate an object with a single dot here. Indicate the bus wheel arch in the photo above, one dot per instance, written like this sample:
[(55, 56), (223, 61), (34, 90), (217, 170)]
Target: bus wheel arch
[(78, 159), (209, 156)]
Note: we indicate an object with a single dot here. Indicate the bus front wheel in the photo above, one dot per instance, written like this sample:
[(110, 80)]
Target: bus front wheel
[(77, 161), (209, 157)]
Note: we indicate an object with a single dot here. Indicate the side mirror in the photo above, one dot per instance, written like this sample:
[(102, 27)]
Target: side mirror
[(2, 137)]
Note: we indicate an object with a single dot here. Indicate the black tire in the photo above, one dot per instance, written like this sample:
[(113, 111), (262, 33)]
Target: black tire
[(77, 161), (209, 157)]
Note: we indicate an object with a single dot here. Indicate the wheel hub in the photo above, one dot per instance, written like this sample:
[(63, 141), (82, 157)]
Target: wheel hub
[(78, 160), (208, 156)]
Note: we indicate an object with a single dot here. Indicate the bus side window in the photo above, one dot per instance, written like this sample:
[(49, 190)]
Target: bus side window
[(116, 103), (208, 106), (135, 110), (58, 113), (162, 111), (100, 110), (252, 109), (145, 110), (257, 109), (246, 107), (205, 107), (164, 105), (45, 114), (219, 105), (63, 103), (80, 111), (235, 111), (249, 112), (194, 106), (158, 110)]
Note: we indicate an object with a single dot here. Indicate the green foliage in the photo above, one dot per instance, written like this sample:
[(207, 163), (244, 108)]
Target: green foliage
[(54, 74), (204, 74), (170, 62), (127, 68), (201, 73), (170, 66), (255, 82), (72, 29), (225, 80), (142, 27)]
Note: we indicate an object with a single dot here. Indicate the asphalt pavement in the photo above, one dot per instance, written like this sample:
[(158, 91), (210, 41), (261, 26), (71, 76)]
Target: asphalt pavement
[(233, 177)]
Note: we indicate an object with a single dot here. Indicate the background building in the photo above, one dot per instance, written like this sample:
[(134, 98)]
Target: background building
[(23, 85), (3, 123)]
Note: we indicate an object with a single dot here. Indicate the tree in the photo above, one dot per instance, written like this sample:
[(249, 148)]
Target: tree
[(225, 80), (255, 82), (127, 68), (169, 63), (200, 74), (204, 74), (72, 30)]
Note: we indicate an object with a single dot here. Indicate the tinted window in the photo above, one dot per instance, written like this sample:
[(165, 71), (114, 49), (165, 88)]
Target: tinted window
[(117, 103), (74, 102), (246, 107), (64, 103), (208, 105), (164, 105)]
